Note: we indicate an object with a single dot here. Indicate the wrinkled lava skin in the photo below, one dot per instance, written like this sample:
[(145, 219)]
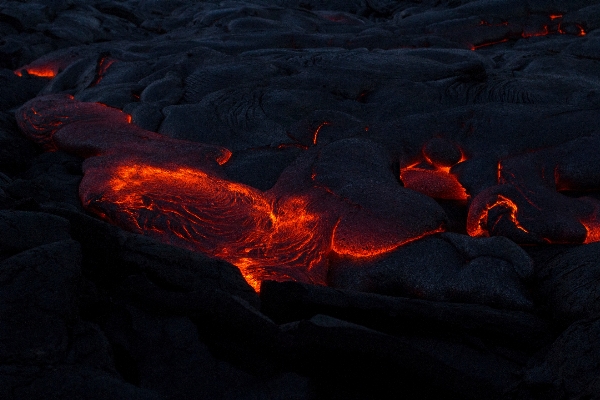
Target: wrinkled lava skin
[(176, 192), (527, 204)]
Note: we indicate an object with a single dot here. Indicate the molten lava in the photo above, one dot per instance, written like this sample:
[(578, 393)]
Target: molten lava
[(103, 65), (478, 226), (436, 183), (553, 27), (318, 130), (433, 176), (190, 208), (42, 72), (543, 32), (486, 44), (175, 191)]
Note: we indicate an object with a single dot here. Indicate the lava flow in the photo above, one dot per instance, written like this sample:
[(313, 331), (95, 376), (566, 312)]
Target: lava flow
[(175, 191), (41, 71), (531, 203), (479, 226), (433, 176), (190, 208)]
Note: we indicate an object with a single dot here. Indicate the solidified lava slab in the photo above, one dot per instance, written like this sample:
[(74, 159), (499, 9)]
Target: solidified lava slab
[(176, 191)]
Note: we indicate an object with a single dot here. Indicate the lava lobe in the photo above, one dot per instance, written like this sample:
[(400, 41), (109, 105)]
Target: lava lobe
[(176, 191)]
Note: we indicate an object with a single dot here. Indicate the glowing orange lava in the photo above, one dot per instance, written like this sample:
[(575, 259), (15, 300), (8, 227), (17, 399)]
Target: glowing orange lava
[(478, 226), (543, 32), (103, 66), (176, 192), (42, 72), (591, 223), (318, 130), (263, 237), (438, 183), (434, 179), (366, 251), (479, 46)]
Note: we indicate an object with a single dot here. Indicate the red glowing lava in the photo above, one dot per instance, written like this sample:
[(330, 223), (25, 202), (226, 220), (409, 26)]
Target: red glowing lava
[(592, 228), (175, 191), (553, 27), (42, 72), (103, 65), (543, 32), (433, 177), (486, 44), (436, 183), (477, 223), (190, 208), (47, 67), (318, 130)]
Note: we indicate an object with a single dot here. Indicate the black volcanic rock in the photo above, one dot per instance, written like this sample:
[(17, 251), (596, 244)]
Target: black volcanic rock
[(51, 178), (38, 301), (568, 283), (168, 267), (353, 357), (448, 267), (570, 366), (23, 230), (331, 100), (290, 301)]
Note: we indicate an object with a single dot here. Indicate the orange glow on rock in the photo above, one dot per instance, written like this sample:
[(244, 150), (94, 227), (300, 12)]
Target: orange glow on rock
[(433, 178), (543, 32), (196, 210), (438, 183), (477, 225), (486, 44), (318, 130), (42, 72), (103, 66), (175, 191), (555, 16)]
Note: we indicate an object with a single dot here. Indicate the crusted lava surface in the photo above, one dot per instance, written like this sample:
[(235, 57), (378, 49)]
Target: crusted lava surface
[(299, 199)]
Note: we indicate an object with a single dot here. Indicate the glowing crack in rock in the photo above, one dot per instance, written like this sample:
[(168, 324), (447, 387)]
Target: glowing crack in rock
[(529, 205), (176, 191), (478, 226)]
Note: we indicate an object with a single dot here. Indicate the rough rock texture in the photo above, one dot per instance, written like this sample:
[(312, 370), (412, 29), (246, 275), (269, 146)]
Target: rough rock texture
[(449, 149), (450, 267)]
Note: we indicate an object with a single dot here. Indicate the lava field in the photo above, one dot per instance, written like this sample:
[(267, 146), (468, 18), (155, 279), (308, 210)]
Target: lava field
[(300, 199)]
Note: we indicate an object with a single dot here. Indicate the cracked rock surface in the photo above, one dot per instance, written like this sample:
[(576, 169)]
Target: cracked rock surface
[(462, 134)]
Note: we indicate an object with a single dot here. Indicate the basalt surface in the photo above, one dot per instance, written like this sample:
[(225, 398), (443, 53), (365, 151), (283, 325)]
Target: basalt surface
[(299, 199)]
